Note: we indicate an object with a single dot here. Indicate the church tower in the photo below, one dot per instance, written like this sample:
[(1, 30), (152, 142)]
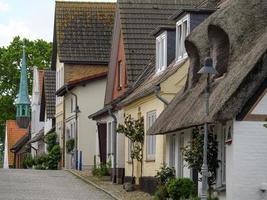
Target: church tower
[(23, 100)]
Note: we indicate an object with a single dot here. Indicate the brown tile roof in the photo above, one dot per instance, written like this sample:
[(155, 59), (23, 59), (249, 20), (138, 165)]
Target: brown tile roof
[(83, 31), (246, 69), (145, 85), (138, 19), (49, 92), (14, 134)]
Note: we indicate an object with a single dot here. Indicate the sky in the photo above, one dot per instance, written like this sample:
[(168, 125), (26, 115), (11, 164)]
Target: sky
[(32, 19)]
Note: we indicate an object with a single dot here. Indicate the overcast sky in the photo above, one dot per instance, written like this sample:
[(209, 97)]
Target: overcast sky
[(31, 19)]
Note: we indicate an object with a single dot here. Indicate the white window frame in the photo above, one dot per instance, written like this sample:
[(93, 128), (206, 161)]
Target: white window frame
[(180, 166), (150, 139), (172, 151), (221, 172), (180, 38), (120, 70), (161, 52)]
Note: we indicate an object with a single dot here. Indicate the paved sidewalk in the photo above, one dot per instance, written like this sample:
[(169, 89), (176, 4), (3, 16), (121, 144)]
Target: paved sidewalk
[(113, 189), (46, 185)]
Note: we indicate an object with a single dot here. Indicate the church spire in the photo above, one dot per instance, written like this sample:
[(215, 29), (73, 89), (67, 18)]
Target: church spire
[(23, 100)]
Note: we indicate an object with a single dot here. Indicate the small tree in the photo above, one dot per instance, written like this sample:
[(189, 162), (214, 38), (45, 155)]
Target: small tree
[(134, 131), (193, 155)]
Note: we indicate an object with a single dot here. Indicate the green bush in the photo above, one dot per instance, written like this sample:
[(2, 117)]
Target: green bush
[(182, 188), (28, 161), (165, 174), (54, 157), (161, 193), (70, 145), (51, 140), (102, 169), (40, 161)]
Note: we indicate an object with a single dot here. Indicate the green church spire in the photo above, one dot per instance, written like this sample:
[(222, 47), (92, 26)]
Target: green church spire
[(23, 100)]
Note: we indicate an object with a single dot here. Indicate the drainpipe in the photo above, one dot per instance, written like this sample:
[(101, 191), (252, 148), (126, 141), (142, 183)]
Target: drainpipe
[(157, 93), (114, 144), (76, 124)]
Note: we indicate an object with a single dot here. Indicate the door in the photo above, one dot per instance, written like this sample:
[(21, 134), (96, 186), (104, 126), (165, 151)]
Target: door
[(102, 138)]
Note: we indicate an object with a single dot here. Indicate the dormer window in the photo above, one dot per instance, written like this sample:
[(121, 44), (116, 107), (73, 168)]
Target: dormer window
[(120, 75), (182, 30), (161, 52)]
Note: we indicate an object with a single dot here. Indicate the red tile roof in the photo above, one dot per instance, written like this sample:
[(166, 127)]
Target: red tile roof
[(14, 133)]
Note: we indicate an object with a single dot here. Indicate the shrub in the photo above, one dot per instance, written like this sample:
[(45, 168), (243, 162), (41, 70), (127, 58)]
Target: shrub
[(27, 161), (165, 174), (161, 193), (70, 145), (182, 188), (54, 157), (51, 141), (40, 162), (102, 169)]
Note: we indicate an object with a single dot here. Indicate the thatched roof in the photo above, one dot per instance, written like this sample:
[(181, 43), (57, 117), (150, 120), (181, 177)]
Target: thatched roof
[(245, 23)]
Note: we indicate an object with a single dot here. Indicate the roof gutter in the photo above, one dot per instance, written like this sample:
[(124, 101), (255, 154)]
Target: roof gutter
[(157, 93)]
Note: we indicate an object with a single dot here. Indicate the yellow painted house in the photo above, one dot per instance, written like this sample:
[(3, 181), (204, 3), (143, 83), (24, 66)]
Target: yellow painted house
[(143, 100)]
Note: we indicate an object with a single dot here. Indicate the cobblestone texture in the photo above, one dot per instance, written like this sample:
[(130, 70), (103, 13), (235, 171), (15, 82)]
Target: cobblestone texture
[(45, 185), (115, 189)]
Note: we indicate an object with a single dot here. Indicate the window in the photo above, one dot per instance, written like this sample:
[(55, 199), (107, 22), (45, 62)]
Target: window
[(172, 157), (181, 156), (119, 75), (71, 105), (150, 139), (23, 110), (182, 30), (221, 178), (161, 52)]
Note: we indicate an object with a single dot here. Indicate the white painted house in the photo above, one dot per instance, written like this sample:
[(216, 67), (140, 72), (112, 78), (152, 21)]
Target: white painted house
[(237, 101), (36, 124), (89, 92)]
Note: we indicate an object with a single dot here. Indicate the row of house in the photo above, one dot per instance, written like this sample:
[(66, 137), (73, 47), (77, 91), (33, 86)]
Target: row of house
[(141, 58)]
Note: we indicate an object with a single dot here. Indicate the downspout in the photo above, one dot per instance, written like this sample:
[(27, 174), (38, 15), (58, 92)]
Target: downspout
[(114, 144), (157, 93), (76, 124)]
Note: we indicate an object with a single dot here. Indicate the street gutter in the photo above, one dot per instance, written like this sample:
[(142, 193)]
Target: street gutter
[(93, 184)]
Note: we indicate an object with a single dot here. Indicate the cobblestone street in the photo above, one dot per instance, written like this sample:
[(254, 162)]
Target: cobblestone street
[(45, 185)]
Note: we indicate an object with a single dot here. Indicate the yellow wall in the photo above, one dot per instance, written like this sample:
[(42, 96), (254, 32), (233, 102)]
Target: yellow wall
[(149, 103)]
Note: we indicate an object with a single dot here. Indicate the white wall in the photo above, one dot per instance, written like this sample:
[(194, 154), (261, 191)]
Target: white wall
[(36, 124), (90, 100), (120, 139), (246, 161)]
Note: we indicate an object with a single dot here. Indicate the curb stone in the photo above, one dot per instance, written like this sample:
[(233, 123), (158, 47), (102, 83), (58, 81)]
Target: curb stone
[(93, 184)]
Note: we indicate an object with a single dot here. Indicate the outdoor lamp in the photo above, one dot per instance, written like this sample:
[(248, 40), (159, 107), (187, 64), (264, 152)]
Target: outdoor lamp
[(209, 70)]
